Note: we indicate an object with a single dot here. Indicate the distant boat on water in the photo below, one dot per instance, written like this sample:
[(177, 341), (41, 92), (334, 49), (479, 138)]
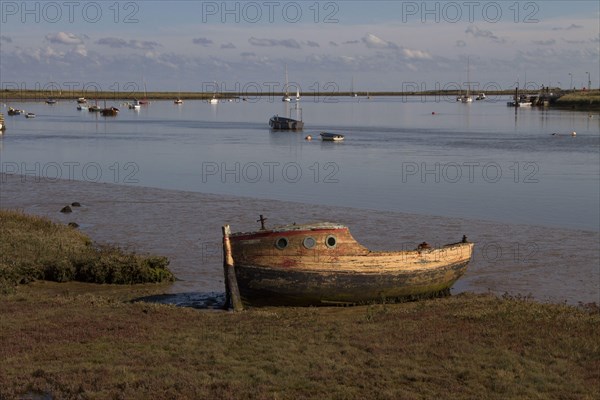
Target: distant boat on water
[(466, 98), (81, 100), (30, 115), (135, 105), (144, 101), (2, 124), (285, 124), (82, 107), (109, 112), (331, 137), (519, 100), (14, 111), (50, 101), (178, 101)]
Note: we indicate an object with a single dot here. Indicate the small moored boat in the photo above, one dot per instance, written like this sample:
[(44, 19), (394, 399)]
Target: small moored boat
[(109, 112), (82, 100), (135, 105), (331, 137), (285, 124), (322, 264), (30, 115), (14, 111), (2, 124)]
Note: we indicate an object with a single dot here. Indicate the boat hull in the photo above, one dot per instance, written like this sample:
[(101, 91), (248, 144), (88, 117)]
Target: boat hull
[(260, 286), (285, 124), (321, 264)]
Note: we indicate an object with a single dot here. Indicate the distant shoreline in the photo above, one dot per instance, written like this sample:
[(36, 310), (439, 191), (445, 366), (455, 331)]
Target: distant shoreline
[(574, 100), (42, 95)]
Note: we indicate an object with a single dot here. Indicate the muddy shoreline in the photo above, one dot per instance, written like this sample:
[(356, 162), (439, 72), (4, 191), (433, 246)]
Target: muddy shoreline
[(552, 265)]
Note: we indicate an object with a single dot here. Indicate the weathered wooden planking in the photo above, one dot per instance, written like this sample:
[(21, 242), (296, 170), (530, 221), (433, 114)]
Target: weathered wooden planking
[(322, 264)]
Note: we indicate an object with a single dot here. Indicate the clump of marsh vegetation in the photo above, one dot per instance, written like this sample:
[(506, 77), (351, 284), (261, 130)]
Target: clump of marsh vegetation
[(35, 248), (589, 100)]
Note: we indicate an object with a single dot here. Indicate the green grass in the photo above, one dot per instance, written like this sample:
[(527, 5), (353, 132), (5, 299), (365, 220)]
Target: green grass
[(462, 347), (86, 341), (33, 248), (589, 100)]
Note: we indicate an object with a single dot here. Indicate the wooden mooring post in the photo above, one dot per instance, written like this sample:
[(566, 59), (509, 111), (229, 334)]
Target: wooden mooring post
[(232, 291)]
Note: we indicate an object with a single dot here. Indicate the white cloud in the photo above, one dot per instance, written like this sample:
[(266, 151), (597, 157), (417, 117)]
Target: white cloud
[(416, 54), (548, 42), (374, 42), (289, 43), (118, 43), (64, 38), (483, 33), (202, 41)]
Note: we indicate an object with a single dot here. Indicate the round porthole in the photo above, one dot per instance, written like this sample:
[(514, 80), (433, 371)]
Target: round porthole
[(331, 241), (309, 242), (281, 243)]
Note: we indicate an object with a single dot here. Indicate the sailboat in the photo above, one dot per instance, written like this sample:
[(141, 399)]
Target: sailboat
[(178, 99), (214, 99), (354, 94), (286, 96), (144, 101), (50, 100), (297, 94), (467, 97)]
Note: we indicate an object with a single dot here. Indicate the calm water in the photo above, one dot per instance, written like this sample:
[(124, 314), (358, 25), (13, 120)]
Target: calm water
[(481, 161)]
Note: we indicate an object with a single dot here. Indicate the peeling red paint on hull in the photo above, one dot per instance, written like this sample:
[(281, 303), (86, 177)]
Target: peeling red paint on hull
[(320, 264)]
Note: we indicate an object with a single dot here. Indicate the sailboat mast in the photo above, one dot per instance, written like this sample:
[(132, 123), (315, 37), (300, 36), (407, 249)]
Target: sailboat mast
[(286, 81), (468, 76)]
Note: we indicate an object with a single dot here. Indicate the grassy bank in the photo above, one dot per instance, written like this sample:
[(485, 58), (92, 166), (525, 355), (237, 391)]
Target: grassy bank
[(463, 347), (589, 100), (73, 340), (34, 248), (40, 95)]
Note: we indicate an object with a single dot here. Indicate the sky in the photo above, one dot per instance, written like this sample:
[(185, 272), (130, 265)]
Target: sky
[(325, 45)]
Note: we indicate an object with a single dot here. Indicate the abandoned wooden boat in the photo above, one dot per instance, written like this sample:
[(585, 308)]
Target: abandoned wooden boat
[(322, 264)]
